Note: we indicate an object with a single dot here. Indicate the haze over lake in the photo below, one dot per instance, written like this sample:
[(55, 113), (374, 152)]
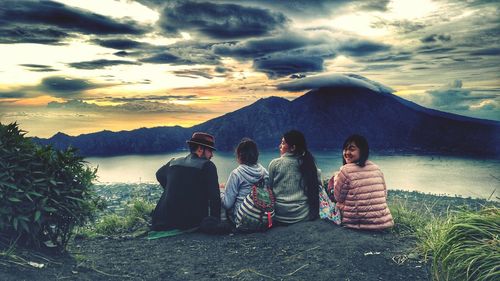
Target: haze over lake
[(451, 175)]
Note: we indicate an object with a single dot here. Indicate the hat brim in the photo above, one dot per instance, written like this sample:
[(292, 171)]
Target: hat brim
[(202, 144)]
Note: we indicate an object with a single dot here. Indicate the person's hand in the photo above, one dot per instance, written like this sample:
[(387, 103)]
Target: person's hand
[(222, 187)]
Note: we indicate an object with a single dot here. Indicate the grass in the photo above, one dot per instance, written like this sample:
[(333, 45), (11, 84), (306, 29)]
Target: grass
[(470, 247), (462, 242), (134, 221)]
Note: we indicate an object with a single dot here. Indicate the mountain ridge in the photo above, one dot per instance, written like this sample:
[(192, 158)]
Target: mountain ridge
[(325, 115)]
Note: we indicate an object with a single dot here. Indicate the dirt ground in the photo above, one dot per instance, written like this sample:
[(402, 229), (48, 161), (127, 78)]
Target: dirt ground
[(315, 250)]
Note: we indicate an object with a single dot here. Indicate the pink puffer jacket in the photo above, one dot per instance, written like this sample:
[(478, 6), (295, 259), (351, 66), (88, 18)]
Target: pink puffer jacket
[(361, 195)]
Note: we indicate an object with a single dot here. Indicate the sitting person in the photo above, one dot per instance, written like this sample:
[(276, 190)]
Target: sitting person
[(242, 178), (294, 179), (191, 188), (359, 188)]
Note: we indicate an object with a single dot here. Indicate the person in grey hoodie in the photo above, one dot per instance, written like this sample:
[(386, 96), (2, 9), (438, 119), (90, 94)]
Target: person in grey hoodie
[(241, 179)]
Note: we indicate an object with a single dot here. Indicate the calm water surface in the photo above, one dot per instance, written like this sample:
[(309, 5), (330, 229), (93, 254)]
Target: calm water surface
[(478, 178)]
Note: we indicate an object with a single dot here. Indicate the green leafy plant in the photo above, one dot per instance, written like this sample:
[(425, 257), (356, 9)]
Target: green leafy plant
[(44, 193)]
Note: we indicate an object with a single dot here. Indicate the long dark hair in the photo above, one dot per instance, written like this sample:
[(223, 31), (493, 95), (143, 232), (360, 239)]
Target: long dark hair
[(308, 169), (362, 144)]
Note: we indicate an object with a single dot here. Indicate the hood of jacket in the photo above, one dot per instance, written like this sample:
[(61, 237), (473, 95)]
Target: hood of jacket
[(252, 174)]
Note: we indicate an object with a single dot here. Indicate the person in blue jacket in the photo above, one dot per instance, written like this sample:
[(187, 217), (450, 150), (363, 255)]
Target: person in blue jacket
[(241, 179)]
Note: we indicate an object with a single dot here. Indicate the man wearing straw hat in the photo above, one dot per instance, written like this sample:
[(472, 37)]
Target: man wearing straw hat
[(191, 187)]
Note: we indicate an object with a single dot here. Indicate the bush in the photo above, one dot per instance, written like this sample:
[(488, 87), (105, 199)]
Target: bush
[(44, 193)]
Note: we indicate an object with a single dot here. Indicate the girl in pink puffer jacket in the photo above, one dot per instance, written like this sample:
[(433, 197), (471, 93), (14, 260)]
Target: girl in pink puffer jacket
[(359, 188)]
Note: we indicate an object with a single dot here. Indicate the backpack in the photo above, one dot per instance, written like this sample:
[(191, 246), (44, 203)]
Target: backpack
[(256, 212), (327, 208)]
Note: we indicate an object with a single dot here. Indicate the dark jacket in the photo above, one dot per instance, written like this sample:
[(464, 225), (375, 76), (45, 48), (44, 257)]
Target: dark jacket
[(191, 191)]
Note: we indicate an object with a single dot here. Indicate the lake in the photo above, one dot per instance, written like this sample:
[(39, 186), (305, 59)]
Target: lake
[(450, 175)]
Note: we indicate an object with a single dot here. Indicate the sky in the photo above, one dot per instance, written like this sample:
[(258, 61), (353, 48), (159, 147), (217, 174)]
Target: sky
[(78, 67)]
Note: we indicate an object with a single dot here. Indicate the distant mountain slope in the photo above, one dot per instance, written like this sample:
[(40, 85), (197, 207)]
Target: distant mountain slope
[(139, 141), (326, 116)]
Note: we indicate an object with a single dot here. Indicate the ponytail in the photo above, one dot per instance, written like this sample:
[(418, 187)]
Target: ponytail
[(309, 171)]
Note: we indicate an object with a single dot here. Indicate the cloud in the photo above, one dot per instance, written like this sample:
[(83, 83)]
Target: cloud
[(332, 80), (153, 98), (392, 57), (358, 47), (400, 26), (259, 47), (454, 97), (434, 50), (381, 66), (51, 23), (450, 97), (31, 34), (184, 53), (283, 65), (72, 104), (39, 67), (432, 38), (286, 54), (194, 73), (219, 21), (60, 86), (374, 5), (134, 106), (220, 69), (486, 52), (12, 94), (161, 58), (120, 44), (98, 64)]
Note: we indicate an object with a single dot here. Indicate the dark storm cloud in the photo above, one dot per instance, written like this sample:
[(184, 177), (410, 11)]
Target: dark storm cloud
[(98, 64), (486, 52), (65, 86), (31, 34), (432, 38), (359, 48), (220, 21), (55, 14), (120, 44), (38, 67), (278, 66)]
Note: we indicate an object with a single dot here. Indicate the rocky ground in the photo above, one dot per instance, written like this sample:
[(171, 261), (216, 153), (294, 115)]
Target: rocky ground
[(315, 250)]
